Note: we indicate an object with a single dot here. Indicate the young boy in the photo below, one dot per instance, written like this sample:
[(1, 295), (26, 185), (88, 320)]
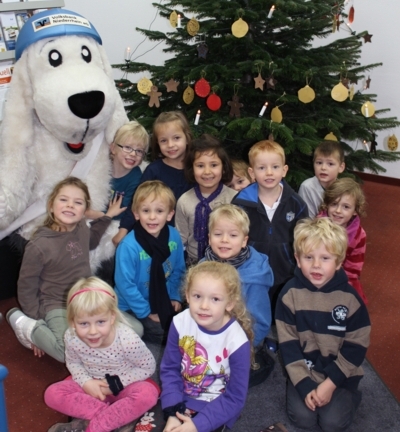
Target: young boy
[(228, 233), (328, 164), (149, 262), (323, 329), (273, 209), (241, 177)]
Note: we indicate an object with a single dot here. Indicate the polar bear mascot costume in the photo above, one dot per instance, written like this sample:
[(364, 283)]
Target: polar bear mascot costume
[(61, 114)]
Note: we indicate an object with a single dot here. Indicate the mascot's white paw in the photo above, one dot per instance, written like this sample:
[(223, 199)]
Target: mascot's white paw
[(9, 206), (106, 248)]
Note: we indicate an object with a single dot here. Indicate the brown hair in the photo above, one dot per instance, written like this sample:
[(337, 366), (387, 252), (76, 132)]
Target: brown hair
[(167, 117), (50, 222), (266, 146), (330, 148), (207, 144), (156, 188), (345, 186)]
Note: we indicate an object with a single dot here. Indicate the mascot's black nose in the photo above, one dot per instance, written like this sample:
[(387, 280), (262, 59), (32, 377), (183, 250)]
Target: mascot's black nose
[(86, 105)]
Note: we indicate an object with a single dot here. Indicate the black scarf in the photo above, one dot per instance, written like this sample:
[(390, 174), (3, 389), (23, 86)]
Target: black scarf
[(236, 261), (158, 249)]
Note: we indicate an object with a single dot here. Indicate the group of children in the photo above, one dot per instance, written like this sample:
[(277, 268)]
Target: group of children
[(239, 241)]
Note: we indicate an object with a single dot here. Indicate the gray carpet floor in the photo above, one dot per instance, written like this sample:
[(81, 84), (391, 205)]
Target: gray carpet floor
[(265, 405)]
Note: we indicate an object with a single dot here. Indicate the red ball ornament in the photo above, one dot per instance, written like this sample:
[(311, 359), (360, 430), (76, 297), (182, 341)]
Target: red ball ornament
[(214, 102), (202, 88)]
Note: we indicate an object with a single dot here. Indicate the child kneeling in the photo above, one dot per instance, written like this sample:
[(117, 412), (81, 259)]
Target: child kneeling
[(109, 364), (323, 329)]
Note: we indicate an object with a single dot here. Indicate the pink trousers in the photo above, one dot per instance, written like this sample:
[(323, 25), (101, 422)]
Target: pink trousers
[(133, 401)]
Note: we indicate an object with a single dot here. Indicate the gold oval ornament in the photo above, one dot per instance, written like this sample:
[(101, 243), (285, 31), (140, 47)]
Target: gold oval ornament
[(173, 19), (367, 109), (193, 27), (340, 93), (306, 94), (188, 95), (392, 143), (144, 85), (239, 28), (330, 137), (276, 115)]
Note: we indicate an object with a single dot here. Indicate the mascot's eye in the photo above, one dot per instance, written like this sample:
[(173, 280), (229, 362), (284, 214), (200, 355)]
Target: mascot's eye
[(86, 54), (55, 58)]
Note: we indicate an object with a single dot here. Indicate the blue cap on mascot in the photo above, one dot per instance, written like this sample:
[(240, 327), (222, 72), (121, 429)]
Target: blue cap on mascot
[(53, 23)]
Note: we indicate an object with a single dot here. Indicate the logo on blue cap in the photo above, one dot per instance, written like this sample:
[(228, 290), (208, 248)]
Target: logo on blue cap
[(53, 23)]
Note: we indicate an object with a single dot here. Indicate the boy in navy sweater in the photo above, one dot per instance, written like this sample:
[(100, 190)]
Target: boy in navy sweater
[(323, 329)]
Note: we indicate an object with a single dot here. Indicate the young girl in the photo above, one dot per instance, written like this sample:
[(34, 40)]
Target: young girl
[(109, 364), (344, 203), (206, 363), (209, 167), (170, 141), (241, 177), (55, 258)]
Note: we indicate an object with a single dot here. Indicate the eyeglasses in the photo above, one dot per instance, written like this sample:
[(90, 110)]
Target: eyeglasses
[(127, 149)]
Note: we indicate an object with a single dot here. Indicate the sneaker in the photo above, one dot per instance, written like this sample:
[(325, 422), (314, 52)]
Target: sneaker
[(76, 425), (22, 326)]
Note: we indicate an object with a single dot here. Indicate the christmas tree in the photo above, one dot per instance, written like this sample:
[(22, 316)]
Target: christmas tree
[(231, 57)]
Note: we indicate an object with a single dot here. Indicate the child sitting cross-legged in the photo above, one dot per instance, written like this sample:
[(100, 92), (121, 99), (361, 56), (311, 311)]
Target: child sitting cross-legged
[(109, 364), (323, 329), (149, 262)]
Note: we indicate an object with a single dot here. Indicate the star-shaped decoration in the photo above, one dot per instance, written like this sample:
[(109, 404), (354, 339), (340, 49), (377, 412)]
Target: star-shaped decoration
[(202, 49), (367, 82), (172, 85), (367, 38), (271, 81), (259, 82), (345, 82)]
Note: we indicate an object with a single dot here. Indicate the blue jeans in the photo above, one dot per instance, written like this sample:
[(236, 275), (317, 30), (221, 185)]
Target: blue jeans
[(336, 416)]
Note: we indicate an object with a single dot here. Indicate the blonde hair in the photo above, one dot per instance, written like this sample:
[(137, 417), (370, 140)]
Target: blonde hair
[(310, 233), (50, 222), (135, 130), (92, 296), (241, 169), (345, 186), (169, 117), (234, 214), (156, 188), (231, 280), (266, 146)]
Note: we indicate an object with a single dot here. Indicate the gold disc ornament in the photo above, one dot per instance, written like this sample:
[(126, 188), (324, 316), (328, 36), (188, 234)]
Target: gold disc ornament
[(306, 94), (276, 115), (392, 143), (240, 28), (173, 19), (340, 93), (367, 109), (144, 85), (188, 95), (330, 137), (193, 27)]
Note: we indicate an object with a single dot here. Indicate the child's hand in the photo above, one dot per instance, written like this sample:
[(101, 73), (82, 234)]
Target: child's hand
[(176, 305), (324, 392), (122, 232), (311, 400), (172, 423), (106, 390), (154, 317), (187, 424), (114, 208), (37, 351), (95, 388), (93, 214)]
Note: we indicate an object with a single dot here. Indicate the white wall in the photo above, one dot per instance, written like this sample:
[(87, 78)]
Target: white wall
[(116, 21)]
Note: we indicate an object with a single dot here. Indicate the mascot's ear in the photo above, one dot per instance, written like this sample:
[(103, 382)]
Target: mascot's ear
[(16, 135), (119, 116)]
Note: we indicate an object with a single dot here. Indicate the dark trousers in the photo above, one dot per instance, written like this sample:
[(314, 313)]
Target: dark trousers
[(153, 332), (336, 416)]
